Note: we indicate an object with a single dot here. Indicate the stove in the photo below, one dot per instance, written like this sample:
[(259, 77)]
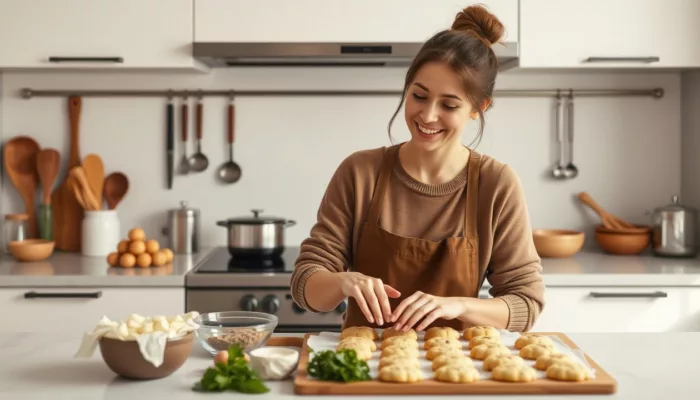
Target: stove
[(254, 283)]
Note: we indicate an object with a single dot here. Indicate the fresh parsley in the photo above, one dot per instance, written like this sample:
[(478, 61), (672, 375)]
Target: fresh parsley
[(340, 365), (236, 375)]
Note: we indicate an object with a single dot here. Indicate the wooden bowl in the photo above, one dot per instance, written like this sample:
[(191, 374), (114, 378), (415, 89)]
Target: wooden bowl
[(557, 243), (622, 243), (32, 249), (124, 358)]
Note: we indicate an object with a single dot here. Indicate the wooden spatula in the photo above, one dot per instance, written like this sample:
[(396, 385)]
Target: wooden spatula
[(47, 164), (608, 220), (95, 172)]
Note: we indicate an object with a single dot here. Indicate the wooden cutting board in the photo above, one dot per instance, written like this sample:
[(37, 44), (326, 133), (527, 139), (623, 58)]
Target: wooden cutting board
[(602, 384), (67, 212)]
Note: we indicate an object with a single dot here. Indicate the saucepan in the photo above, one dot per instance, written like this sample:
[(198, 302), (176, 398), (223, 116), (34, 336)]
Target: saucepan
[(257, 235)]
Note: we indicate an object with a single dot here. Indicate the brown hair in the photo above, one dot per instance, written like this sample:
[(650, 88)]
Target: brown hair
[(466, 48)]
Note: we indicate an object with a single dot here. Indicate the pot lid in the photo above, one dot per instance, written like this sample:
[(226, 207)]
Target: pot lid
[(257, 219), (675, 206), (184, 210)]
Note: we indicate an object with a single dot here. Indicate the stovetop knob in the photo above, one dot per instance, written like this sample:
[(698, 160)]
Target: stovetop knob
[(249, 303), (271, 304)]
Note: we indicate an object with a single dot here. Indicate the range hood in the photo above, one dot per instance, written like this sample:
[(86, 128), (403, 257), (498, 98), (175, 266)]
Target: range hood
[(322, 54)]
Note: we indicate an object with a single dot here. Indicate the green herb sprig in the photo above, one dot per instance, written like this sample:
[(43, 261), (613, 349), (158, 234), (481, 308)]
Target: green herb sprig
[(340, 366), (235, 375)]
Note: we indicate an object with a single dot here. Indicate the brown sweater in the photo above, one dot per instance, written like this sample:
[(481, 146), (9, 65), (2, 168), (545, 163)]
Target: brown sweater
[(431, 212)]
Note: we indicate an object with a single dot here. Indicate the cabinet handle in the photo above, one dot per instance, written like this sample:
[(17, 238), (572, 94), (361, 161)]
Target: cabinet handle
[(86, 59), (36, 295), (647, 60), (654, 295)]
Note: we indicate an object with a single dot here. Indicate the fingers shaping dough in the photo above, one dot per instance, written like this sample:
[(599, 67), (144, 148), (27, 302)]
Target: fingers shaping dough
[(442, 341), (451, 358), (435, 351), (402, 340), (400, 350), (483, 340), (498, 360), (363, 341), (399, 360), (482, 351), (360, 331), (400, 373), (391, 332), (476, 331), (535, 351), (514, 373), (441, 331), (545, 362), (456, 373), (568, 371), (526, 339)]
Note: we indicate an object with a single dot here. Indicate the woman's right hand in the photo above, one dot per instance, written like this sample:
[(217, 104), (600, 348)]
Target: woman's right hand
[(371, 295)]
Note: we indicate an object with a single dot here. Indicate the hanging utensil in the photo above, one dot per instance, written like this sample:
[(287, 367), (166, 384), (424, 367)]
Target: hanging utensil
[(47, 164), (570, 171), (230, 172), (198, 161), (170, 142), (20, 163), (558, 170), (183, 167)]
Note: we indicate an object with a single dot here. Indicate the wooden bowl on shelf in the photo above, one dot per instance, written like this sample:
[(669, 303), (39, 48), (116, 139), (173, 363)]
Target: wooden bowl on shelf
[(557, 243)]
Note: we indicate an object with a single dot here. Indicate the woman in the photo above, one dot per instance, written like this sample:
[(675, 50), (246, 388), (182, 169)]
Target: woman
[(408, 233)]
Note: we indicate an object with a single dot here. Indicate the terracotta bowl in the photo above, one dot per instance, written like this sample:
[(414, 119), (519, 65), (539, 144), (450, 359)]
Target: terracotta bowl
[(622, 243), (124, 358), (557, 243), (32, 249)]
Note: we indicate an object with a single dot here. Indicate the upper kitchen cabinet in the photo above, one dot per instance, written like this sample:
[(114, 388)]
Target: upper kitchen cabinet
[(609, 34), (100, 34), (336, 21)]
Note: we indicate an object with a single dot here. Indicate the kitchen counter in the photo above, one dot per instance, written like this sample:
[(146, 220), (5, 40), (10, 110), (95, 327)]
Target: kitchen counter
[(73, 270), (43, 367)]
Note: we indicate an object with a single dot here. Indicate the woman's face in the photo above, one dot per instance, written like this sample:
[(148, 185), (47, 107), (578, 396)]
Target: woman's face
[(437, 108)]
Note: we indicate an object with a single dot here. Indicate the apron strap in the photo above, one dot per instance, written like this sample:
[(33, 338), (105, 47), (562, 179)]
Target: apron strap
[(384, 175), (472, 195)]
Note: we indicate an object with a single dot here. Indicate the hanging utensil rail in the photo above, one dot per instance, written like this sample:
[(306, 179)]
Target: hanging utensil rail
[(28, 93)]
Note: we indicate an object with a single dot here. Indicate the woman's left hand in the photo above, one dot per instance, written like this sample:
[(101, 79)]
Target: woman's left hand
[(426, 307)]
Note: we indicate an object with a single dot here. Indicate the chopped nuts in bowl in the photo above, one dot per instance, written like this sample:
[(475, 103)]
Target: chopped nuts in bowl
[(219, 330)]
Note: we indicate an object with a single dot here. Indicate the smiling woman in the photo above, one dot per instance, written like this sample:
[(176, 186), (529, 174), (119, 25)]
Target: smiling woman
[(408, 233)]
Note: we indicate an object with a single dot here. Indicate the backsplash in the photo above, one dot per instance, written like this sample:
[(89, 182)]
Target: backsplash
[(627, 149)]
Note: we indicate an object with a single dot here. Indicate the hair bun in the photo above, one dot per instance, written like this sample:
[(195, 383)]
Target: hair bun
[(479, 20)]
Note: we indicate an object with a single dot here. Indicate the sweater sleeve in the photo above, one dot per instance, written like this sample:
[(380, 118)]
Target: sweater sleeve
[(329, 245), (515, 267)]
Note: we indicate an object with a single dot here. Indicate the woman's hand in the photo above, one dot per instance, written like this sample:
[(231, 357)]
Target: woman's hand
[(427, 307), (371, 294)]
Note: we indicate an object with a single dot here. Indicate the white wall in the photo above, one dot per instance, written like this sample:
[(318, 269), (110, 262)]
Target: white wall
[(628, 149)]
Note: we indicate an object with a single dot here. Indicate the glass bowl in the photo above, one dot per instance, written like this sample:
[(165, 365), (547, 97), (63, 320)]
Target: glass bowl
[(250, 330)]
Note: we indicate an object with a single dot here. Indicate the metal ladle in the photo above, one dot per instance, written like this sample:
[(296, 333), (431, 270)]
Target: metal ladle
[(198, 161), (558, 171), (230, 172), (570, 171)]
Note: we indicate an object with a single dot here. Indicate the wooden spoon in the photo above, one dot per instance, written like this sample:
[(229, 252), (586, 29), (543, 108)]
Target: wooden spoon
[(47, 164), (609, 220), (115, 188), (83, 186), (20, 162), (95, 172)]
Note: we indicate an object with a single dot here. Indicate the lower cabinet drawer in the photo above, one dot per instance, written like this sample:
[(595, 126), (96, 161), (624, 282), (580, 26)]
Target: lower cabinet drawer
[(79, 309)]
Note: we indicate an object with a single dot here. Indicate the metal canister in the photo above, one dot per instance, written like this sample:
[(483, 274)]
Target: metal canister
[(183, 230), (674, 230)]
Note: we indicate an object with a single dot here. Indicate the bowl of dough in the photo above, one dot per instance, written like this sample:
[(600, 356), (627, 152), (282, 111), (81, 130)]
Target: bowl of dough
[(142, 347), (249, 330)]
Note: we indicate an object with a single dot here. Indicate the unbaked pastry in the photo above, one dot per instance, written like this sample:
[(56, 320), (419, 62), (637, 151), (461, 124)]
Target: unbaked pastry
[(497, 360), (360, 331), (514, 373), (435, 351), (391, 332), (361, 341), (568, 371), (400, 373), (535, 351), (478, 330), (544, 362), (400, 350), (451, 358), (441, 331), (482, 351), (363, 352), (483, 340), (442, 341), (399, 360), (403, 340), (457, 373), (526, 339)]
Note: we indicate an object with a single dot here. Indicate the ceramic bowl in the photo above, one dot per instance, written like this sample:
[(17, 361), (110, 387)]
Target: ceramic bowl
[(273, 362), (31, 249)]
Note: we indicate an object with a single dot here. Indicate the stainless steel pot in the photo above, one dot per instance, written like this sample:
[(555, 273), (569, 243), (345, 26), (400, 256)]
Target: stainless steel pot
[(674, 230), (257, 235)]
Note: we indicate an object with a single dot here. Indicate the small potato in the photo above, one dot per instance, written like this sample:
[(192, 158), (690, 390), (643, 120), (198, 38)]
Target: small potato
[(144, 260), (159, 258), (113, 259), (123, 246), (137, 247), (127, 260), (168, 255), (152, 246), (137, 234)]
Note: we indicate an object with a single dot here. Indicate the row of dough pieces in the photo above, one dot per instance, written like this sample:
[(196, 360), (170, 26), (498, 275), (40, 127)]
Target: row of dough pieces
[(399, 357)]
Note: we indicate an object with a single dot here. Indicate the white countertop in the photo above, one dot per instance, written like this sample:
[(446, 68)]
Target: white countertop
[(42, 366)]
